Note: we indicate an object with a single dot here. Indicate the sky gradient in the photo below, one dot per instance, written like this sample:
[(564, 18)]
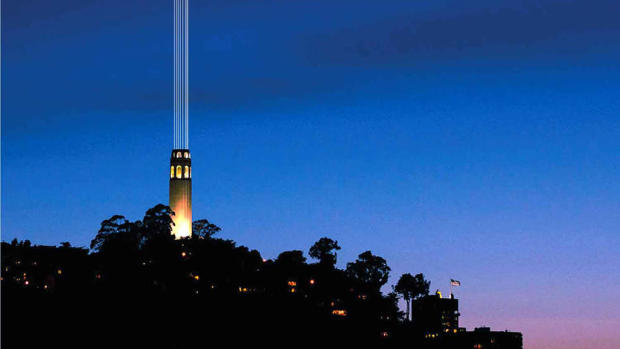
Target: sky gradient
[(469, 140)]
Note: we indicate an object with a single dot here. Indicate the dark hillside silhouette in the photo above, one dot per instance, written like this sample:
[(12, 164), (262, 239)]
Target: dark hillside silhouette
[(139, 287)]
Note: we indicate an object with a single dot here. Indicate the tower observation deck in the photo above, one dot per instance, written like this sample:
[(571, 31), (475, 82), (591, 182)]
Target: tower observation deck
[(180, 200)]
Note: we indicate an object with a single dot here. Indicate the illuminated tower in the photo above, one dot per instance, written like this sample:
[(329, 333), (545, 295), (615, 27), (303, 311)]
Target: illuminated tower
[(180, 160)]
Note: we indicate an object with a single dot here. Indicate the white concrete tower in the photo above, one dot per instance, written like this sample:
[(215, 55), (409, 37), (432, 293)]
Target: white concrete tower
[(180, 160)]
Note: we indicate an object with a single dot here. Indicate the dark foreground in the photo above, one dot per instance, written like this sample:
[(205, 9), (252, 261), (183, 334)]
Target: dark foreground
[(137, 287)]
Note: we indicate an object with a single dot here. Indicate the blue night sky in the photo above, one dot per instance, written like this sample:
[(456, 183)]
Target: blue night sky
[(475, 140)]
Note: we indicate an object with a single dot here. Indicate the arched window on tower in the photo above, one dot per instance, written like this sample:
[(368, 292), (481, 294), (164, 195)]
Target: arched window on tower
[(186, 174), (179, 171), (171, 171), (178, 154), (186, 155)]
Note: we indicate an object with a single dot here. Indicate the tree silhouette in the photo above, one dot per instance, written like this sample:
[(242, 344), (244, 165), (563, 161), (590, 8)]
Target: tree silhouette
[(369, 270), (323, 250), (291, 258), (411, 287), (111, 228), (203, 229), (158, 221)]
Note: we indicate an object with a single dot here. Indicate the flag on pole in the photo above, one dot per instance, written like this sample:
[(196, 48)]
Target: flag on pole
[(455, 282)]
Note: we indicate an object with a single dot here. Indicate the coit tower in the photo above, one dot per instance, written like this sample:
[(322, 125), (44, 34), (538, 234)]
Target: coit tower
[(181, 159)]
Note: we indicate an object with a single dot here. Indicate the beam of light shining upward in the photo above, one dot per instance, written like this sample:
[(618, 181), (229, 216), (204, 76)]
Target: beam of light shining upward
[(181, 138)]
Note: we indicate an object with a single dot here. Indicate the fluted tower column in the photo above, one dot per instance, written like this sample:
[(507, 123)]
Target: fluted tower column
[(181, 192)]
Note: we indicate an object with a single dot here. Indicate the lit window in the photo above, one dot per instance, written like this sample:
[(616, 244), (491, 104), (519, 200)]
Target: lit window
[(179, 171), (171, 171), (179, 154), (339, 312), (186, 155), (312, 281), (292, 283), (186, 175)]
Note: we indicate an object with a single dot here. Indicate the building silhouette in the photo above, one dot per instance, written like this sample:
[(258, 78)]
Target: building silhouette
[(436, 325), (479, 338), (434, 315)]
